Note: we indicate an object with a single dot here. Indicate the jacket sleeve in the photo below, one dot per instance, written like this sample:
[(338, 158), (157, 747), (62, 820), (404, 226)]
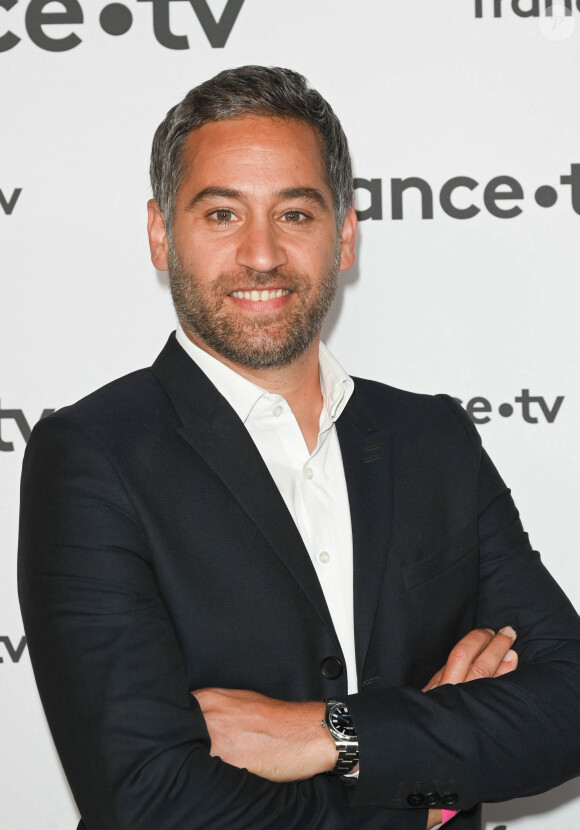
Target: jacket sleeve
[(489, 739), (131, 738)]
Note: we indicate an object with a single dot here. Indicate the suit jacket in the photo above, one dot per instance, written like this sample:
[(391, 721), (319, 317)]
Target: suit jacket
[(157, 557)]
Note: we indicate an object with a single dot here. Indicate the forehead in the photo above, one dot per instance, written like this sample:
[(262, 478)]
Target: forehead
[(254, 151)]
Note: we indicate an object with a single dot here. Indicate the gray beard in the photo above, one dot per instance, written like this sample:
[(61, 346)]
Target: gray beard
[(268, 340)]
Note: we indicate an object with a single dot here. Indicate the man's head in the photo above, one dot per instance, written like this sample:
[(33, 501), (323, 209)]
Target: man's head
[(249, 90), (245, 215)]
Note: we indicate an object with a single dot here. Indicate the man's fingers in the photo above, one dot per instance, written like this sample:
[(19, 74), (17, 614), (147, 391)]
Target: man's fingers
[(434, 682), (481, 653), (434, 818), (489, 661), (508, 664), (463, 655)]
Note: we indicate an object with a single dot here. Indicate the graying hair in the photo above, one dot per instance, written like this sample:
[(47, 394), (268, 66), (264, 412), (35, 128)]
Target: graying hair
[(249, 90)]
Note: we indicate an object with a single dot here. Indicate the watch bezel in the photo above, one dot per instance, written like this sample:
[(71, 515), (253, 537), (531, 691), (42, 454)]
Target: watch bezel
[(334, 730)]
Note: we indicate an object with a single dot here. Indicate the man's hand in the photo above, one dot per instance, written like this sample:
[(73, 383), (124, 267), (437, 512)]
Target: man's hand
[(481, 653), (273, 738), (284, 741), (434, 818), (276, 739)]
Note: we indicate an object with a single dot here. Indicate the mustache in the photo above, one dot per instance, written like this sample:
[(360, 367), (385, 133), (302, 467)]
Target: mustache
[(246, 278)]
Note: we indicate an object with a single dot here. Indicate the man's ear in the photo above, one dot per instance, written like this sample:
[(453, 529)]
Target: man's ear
[(158, 242), (347, 239)]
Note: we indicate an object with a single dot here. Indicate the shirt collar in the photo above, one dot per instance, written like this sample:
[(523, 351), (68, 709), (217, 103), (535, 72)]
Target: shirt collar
[(242, 394), (337, 386)]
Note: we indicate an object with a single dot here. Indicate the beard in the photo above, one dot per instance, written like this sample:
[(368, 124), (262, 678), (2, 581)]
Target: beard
[(259, 341)]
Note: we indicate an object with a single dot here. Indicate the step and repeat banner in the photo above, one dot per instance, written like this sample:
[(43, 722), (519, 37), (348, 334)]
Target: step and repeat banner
[(464, 126)]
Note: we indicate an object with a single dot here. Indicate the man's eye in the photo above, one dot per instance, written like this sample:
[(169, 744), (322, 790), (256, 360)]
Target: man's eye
[(294, 216), (223, 216)]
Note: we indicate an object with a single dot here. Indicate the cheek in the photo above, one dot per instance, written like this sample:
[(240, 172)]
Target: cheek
[(313, 255), (198, 256), (215, 254)]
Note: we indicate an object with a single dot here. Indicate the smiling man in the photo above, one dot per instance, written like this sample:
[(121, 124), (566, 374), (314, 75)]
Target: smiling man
[(240, 567), (253, 261)]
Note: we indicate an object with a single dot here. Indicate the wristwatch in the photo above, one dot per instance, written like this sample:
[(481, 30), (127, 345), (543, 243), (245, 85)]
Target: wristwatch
[(339, 723)]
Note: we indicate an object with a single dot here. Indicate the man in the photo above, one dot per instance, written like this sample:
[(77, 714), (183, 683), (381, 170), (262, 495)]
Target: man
[(243, 522)]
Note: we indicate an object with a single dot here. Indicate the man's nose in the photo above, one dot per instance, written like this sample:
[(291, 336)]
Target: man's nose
[(260, 247)]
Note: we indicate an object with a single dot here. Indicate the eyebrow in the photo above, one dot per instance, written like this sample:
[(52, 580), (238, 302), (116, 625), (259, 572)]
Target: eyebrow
[(310, 194), (213, 192)]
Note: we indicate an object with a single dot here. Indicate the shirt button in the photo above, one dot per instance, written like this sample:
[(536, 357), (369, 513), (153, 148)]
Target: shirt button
[(309, 473), (324, 557), (277, 411)]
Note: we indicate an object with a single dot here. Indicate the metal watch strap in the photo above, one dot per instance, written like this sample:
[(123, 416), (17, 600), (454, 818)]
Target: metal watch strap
[(347, 750), (347, 758)]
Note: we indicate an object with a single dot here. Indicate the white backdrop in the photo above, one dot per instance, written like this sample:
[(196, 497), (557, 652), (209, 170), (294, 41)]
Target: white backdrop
[(483, 306)]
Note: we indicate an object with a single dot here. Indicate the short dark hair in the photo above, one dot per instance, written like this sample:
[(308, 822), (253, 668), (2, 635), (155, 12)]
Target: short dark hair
[(249, 90)]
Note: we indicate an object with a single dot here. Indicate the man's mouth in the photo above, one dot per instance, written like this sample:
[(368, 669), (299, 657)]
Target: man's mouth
[(261, 296)]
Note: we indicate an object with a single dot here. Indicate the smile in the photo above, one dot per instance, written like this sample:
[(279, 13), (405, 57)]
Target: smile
[(261, 296)]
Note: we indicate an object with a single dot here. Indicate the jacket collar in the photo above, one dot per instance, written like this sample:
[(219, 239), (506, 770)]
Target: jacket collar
[(365, 445), (208, 424)]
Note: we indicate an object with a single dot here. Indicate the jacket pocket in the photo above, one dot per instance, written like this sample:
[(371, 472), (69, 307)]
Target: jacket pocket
[(457, 549)]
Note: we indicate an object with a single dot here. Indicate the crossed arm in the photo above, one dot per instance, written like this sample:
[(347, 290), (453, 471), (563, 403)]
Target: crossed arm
[(136, 746), (284, 741)]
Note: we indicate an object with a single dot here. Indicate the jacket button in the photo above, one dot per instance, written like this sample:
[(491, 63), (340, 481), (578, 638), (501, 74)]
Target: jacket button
[(331, 668), (416, 799), (449, 799), (431, 800)]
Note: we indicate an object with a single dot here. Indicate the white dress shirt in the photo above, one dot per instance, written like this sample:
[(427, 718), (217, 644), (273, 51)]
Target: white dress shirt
[(312, 485)]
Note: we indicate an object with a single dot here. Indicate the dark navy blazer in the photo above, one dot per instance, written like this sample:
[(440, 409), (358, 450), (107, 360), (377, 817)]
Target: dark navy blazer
[(157, 556)]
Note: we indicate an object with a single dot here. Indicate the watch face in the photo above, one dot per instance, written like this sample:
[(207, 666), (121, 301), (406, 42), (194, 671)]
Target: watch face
[(340, 719)]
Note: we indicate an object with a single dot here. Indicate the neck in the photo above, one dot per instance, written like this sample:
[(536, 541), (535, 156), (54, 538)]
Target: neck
[(298, 383)]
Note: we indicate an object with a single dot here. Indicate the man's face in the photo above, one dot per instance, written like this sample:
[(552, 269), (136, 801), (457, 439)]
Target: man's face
[(255, 254)]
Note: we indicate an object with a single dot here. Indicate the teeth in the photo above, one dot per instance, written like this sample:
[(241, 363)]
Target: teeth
[(260, 296)]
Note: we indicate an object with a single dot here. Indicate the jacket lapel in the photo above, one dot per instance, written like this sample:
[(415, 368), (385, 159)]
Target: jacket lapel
[(212, 428), (366, 456)]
